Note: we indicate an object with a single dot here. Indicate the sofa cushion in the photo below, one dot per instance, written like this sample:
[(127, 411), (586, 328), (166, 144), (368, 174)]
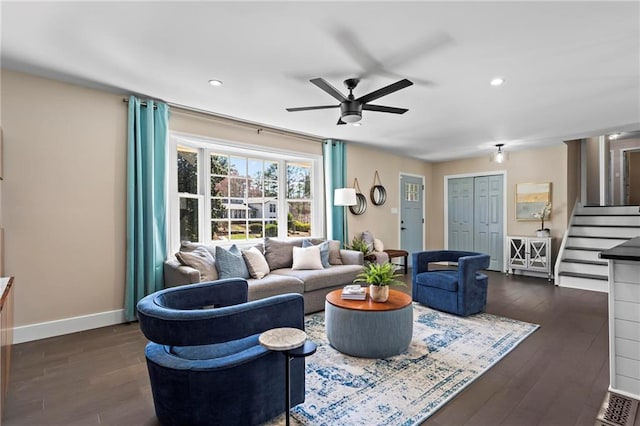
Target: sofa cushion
[(229, 350), (272, 285), (314, 279), (444, 280), (256, 263), (231, 263), (306, 258), (202, 260), (324, 251)]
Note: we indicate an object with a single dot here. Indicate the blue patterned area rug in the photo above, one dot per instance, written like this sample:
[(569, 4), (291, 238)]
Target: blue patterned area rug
[(446, 354)]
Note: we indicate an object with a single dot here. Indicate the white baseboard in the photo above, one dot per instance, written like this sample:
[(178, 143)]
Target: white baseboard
[(43, 330)]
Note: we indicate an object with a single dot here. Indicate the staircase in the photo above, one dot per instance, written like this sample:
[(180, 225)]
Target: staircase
[(592, 230)]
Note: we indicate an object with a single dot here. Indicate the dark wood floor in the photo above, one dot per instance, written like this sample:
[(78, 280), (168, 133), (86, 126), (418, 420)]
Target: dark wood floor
[(558, 376)]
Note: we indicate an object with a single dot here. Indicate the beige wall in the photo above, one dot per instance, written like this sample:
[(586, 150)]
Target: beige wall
[(362, 163), (63, 197), (593, 171), (574, 152), (538, 165), (208, 126)]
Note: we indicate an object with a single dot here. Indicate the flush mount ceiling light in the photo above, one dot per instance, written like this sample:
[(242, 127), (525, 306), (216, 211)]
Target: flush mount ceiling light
[(215, 83), (498, 81), (614, 136), (499, 157)]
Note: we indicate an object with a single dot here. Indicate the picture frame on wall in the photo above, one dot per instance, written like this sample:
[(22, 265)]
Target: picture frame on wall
[(531, 198)]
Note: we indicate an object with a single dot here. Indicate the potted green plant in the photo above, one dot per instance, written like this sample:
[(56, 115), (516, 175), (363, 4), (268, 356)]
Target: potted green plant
[(358, 244), (379, 276)]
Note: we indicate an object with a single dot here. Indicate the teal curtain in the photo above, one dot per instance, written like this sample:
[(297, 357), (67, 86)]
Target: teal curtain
[(146, 201), (335, 172)]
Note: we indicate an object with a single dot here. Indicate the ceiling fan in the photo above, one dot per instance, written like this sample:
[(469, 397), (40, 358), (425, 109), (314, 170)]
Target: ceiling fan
[(350, 107)]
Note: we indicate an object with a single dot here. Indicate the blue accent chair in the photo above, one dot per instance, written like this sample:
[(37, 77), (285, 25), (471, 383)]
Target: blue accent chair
[(461, 292), (206, 366)]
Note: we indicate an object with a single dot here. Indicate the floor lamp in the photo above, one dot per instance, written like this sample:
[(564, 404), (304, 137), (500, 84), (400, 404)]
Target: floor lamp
[(344, 197)]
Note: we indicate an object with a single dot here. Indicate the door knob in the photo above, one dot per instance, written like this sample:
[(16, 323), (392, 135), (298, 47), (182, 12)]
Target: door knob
[(402, 228)]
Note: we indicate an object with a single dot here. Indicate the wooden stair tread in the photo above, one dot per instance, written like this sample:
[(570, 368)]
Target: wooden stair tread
[(586, 262), (587, 276)]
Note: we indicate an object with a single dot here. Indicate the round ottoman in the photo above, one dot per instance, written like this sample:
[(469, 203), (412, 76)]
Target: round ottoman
[(368, 329)]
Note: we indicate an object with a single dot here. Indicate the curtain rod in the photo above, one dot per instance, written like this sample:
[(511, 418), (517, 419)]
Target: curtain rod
[(142, 103), (226, 119)]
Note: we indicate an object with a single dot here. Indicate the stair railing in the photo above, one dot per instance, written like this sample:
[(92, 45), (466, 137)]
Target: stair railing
[(556, 268)]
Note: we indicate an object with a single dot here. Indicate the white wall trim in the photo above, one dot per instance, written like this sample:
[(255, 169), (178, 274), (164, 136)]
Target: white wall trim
[(43, 330), (602, 164), (583, 172)]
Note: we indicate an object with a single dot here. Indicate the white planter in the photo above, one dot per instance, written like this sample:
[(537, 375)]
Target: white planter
[(542, 233), (379, 293)]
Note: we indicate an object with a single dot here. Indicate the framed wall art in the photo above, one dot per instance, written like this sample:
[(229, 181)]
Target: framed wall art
[(531, 198)]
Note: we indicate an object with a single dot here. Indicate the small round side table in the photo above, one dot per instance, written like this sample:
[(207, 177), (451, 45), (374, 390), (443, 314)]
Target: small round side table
[(293, 343)]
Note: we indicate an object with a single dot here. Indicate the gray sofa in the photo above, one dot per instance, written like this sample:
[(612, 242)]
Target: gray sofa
[(313, 284)]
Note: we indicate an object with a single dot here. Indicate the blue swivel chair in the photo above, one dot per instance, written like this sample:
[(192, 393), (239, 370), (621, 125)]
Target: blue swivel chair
[(462, 291), (206, 366)]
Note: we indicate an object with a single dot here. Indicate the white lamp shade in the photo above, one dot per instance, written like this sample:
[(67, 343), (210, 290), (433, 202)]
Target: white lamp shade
[(344, 197)]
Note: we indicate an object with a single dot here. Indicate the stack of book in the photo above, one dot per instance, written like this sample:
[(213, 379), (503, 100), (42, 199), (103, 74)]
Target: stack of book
[(354, 292)]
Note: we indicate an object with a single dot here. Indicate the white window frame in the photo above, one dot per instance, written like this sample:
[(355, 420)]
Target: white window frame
[(205, 144)]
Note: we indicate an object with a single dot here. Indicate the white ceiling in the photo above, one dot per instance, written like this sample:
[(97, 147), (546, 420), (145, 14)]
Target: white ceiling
[(572, 69)]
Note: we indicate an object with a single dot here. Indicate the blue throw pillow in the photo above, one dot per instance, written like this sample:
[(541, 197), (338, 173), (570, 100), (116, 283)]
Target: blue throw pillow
[(324, 251), (230, 263)]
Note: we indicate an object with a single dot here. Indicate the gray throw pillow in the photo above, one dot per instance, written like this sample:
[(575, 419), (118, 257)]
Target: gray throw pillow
[(199, 258), (188, 246), (367, 237), (324, 251), (279, 253), (231, 263), (334, 252)]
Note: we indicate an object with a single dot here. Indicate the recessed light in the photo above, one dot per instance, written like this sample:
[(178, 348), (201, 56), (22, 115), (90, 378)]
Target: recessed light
[(358, 124), (614, 136), (215, 83), (498, 81)]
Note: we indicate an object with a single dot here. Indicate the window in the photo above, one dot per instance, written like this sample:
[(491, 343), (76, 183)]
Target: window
[(230, 193)]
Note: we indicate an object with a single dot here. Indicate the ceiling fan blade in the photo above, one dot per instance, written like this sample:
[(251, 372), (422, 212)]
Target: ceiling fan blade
[(340, 121), (385, 91), (356, 49), (311, 107), (381, 108), (321, 83)]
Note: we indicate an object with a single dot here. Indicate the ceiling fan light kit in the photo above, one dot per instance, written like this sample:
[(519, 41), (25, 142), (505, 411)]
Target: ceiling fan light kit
[(350, 107)]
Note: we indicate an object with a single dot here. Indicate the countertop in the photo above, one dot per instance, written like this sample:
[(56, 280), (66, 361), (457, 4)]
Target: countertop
[(629, 250)]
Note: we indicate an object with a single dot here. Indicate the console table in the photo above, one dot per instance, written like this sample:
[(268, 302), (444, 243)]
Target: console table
[(529, 254)]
